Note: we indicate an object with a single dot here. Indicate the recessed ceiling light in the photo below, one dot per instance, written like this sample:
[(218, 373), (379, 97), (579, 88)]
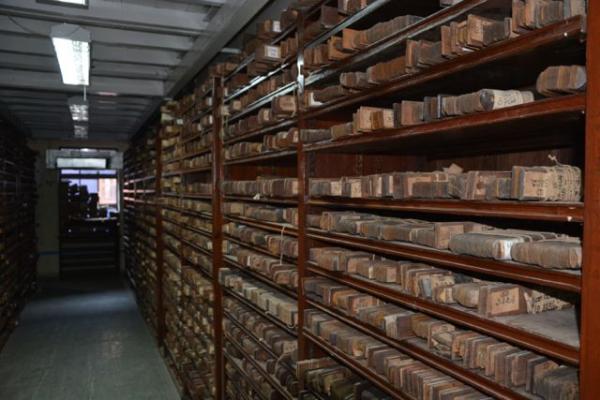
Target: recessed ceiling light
[(72, 46), (107, 94)]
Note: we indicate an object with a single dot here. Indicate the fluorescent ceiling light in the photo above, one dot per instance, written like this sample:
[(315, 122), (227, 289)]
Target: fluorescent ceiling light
[(72, 47), (88, 162), (81, 3), (79, 109), (78, 2)]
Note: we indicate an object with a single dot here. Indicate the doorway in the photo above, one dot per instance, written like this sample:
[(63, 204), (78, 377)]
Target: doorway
[(88, 220)]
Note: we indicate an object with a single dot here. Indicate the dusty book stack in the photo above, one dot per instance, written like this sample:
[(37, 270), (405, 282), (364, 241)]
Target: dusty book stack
[(401, 202), (537, 183)]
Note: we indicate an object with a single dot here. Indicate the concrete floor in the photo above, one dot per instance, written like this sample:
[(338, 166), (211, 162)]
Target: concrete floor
[(83, 339)]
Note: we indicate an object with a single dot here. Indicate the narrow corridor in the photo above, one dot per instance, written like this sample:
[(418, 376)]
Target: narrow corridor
[(83, 339)]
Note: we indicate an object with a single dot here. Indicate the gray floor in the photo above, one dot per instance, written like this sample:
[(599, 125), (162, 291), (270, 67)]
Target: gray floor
[(83, 339)]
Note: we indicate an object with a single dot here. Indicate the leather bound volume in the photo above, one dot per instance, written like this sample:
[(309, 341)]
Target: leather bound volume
[(501, 299), (481, 185), (314, 135), (467, 294), (561, 383), (408, 113), (563, 79), (268, 54), (557, 183), (386, 271), (341, 130), (439, 234), (536, 369), (558, 253), (495, 243), (404, 183), (367, 119), (284, 106), (387, 71), (483, 31), (355, 80)]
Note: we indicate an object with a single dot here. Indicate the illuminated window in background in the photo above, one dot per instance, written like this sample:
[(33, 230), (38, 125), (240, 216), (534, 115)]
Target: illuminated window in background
[(107, 191), (102, 182)]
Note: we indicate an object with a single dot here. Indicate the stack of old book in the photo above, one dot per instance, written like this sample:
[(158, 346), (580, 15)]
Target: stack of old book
[(193, 205), (282, 107), (196, 223), (251, 377), (281, 140), (538, 183), (544, 249), (203, 160), (262, 212), (562, 79), (327, 18), (534, 14), (203, 142), (282, 307), (279, 341), (198, 188), (276, 244), (314, 135), (432, 108), (457, 38), (268, 363), (243, 149), (198, 239), (263, 88), (488, 298), (279, 272), (328, 379), (196, 258), (263, 186), (501, 362), (409, 376)]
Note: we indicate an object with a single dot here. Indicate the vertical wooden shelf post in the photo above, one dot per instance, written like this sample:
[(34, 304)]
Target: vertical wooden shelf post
[(302, 176), (590, 295), (217, 232), (160, 314)]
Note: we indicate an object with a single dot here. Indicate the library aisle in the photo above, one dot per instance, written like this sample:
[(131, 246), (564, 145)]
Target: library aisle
[(83, 339)]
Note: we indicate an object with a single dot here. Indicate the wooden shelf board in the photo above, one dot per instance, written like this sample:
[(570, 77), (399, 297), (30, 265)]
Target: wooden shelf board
[(568, 281), (280, 324), (262, 158), (279, 126), (274, 227), (359, 368), (268, 377), (258, 276), (461, 316), (485, 126), (414, 349), (543, 211), (263, 200)]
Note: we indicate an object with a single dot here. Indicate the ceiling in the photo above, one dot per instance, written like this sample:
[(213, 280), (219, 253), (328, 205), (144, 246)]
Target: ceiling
[(142, 51)]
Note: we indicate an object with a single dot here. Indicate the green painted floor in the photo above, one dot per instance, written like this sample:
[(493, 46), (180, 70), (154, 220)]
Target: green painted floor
[(83, 339)]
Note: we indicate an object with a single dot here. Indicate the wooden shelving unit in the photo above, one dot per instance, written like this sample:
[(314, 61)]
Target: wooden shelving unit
[(18, 243), (563, 126)]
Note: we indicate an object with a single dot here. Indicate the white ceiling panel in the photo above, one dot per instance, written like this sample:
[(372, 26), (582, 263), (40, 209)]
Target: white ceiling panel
[(141, 52)]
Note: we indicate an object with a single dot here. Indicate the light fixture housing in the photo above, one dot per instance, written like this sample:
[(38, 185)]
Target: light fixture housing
[(79, 109), (72, 46), (80, 131)]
